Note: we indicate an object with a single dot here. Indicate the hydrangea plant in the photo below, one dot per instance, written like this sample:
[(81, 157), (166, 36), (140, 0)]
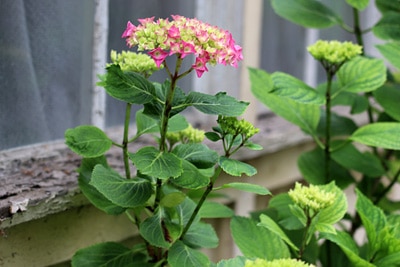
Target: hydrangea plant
[(311, 222), (156, 189)]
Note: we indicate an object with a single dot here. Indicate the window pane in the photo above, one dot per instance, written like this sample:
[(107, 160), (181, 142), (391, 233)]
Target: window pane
[(122, 11), (45, 69)]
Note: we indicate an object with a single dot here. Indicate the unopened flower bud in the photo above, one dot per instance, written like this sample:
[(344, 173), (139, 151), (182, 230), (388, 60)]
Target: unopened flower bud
[(334, 52), (136, 62), (312, 197)]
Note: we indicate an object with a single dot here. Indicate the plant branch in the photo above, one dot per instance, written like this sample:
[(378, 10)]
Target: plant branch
[(346, 27), (168, 105), (388, 188), (357, 29), (165, 118), (201, 201), (305, 234)]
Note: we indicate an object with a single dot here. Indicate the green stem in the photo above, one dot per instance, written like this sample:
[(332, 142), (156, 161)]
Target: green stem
[(201, 201), (168, 105), (130, 217), (357, 29), (125, 140), (359, 37), (305, 235), (346, 27), (328, 125), (165, 117), (388, 188)]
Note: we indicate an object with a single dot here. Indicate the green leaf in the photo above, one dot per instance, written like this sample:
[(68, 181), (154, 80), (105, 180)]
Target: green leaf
[(389, 260), (252, 146), (191, 177), (155, 107), (307, 13), (172, 199), (215, 210), (290, 87), (393, 220), (90, 192), (153, 231), (387, 27), (387, 6), (257, 242), (127, 193), (103, 255), (219, 104), (312, 167), (386, 249), (283, 204), (388, 96), (325, 228), (268, 223), (185, 210), (201, 235), (373, 218), (337, 210), (391, 52), (177, 123), (87, 141), (325, 252), (197, 154), (145, 124), (235, 167), (305, 116), (382, 134), (359, 4), (214, 137), (340, 125), (181, 255), (362, 75), (252, 188), (351, 158), (349, 247), (152, 162), (299, 214), (262, 79), (358, 103), (129, 87)]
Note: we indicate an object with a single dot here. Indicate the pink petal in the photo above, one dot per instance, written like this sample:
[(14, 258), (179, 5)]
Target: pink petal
[(146, 20), (200, 66), (130, 28), (158, 55)]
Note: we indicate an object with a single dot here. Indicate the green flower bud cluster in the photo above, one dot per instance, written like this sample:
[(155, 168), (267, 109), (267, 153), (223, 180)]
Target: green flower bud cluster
[(136, 62), (189, 135), (312, 197), (334, 52), (277, 263), (233, 126)]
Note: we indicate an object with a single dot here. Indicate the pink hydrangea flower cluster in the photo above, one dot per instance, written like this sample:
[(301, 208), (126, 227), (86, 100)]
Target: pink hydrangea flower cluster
[(184, 36)]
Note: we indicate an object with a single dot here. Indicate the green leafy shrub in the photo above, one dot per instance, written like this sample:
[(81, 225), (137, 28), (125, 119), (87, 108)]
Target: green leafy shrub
[(305, 223)]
